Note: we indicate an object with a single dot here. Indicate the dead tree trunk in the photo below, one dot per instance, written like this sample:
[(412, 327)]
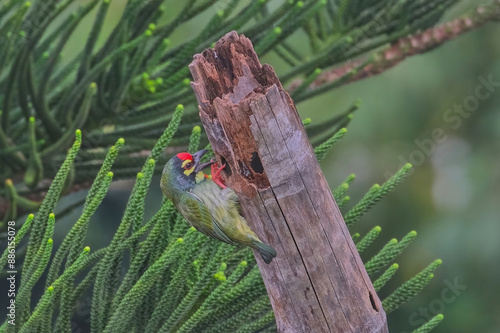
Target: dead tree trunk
[(317, 283)]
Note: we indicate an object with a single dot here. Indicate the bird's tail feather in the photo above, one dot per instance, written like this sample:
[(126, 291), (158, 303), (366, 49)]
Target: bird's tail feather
[(266, 251)]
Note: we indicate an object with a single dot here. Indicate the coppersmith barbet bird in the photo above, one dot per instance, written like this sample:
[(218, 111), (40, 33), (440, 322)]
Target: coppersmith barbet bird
[(209, 208)]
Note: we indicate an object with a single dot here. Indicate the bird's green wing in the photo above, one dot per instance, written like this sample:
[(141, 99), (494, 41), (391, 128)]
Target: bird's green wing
[(198, 215)]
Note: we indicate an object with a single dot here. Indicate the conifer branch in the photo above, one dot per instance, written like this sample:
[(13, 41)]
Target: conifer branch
[(368, 239), (384, 278), (410, 288), (381, 61), (430, 325)]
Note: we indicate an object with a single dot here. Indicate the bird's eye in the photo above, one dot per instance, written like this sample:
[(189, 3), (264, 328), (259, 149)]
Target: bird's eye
[(188, 166)]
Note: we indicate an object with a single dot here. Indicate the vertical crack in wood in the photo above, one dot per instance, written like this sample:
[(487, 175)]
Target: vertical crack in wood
[(275, 97), (279, 268), (260, 135), (273, 92), (316, 294)]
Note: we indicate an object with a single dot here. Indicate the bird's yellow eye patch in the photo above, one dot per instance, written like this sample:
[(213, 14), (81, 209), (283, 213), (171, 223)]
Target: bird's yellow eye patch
[(188, 166)]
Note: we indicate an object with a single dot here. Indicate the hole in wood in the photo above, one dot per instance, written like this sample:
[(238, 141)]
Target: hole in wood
[(227, 169), (374, 305), (255, 163)]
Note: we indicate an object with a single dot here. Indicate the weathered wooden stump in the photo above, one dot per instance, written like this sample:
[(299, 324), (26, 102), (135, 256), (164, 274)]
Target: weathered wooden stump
[(317, 283)]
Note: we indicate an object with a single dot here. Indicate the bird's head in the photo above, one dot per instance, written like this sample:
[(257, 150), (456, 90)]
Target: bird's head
[(183, 171)]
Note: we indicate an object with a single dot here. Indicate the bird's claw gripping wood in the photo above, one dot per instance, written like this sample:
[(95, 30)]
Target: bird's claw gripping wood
[(216, 174)]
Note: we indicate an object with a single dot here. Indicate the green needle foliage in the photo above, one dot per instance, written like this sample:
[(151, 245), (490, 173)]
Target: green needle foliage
[(322, 149), (429, 326), (368, 239), (376, 193), (384, 278), (388, 253), (410, 288), (124, 83), (159, 274)]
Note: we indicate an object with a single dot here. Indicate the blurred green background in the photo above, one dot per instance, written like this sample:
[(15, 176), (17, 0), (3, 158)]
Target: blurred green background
[(452, 199)]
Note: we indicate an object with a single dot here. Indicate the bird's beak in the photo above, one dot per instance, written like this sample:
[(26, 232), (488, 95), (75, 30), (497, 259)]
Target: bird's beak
[(197, 159)]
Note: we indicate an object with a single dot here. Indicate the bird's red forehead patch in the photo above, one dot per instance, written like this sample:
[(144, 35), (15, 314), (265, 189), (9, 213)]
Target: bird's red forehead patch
[(185, 156)]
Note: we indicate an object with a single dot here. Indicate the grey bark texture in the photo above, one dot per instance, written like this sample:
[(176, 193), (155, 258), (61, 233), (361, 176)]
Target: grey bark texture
[(317, 283)]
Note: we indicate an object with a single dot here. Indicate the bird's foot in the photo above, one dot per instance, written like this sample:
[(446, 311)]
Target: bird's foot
[(216, 174)]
